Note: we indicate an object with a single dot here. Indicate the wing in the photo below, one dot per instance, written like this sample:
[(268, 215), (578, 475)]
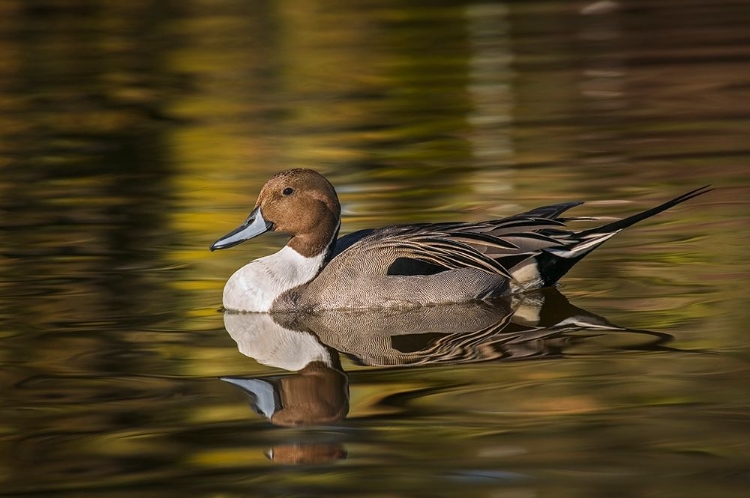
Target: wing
[(492, 246)]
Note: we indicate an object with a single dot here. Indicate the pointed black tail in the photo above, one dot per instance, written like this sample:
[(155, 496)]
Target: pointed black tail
[(553, 263), (632, 220)]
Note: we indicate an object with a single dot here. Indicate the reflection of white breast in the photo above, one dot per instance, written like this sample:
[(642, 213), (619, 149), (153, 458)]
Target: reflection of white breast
[(261, 338), (255, 286)]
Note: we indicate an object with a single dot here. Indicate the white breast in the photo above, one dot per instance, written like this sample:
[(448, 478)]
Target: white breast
[(255, 286)]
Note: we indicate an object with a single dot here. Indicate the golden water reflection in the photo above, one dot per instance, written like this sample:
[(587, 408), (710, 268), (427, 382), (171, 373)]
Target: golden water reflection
[(134, 133)]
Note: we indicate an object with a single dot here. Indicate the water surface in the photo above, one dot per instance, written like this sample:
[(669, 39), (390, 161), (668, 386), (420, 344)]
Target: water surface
[(136, 133)]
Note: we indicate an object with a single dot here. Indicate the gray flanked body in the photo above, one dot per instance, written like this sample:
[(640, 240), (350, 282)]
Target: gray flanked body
[(399, 266), (369, 291)]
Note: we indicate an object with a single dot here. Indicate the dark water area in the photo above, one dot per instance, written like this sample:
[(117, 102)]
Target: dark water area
[(134, 134)]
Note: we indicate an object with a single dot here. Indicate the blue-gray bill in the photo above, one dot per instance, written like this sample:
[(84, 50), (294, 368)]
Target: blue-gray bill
[(253, 226)]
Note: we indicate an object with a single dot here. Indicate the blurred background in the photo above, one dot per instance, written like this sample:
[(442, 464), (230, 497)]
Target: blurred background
[(133, 134)]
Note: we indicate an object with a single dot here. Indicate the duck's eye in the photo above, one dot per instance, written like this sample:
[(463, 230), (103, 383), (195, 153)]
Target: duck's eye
[(288, 191)]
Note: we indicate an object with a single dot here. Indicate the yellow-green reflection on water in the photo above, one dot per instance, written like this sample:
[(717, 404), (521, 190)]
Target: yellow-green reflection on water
[(135, 133)]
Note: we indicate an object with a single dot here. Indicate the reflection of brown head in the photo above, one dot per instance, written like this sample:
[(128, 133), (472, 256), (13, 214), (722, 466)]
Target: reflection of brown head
[(317, 394), (297, 454)]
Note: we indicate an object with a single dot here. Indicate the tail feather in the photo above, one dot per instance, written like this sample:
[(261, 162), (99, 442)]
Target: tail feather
[(551, 264), (632, 220)]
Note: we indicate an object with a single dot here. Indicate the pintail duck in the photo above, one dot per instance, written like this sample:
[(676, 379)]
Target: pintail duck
[(400, 266)]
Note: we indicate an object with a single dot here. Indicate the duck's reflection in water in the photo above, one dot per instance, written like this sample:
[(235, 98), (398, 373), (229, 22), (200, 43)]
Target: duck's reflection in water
[(538, 325)]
